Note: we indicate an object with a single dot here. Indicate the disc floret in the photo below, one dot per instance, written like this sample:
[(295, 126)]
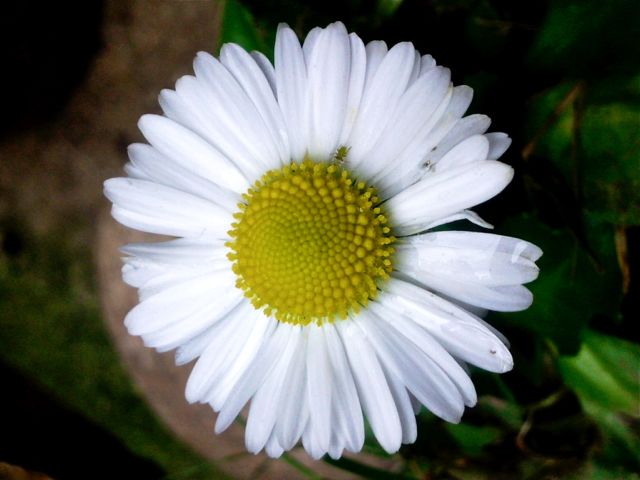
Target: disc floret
[(310, 243)]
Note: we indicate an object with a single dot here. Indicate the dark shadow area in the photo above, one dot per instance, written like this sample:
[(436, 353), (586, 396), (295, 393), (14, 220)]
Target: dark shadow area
[(40, 434), (46, 50)]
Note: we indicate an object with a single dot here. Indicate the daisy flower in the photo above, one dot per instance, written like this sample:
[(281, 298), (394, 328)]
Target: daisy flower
[(304, 277)]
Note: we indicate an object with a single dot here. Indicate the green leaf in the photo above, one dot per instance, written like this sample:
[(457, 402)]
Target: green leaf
[(239, 26), (472, 438), (611, 165), (605, 372), (579, 36), (606, 378)]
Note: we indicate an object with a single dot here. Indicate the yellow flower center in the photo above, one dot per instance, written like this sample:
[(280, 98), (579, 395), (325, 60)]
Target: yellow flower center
[(310, 244)]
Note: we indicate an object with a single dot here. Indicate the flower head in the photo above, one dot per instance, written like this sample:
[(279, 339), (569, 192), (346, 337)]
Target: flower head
[(304, 278)]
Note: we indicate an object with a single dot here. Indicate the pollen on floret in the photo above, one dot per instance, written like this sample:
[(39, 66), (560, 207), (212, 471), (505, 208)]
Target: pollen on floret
[(310, 244)]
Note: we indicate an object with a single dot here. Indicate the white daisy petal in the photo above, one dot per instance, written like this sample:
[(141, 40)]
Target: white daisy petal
[(403, 404), (294, 407), (474, 149), (377, 401), (241, 115), (149, 164), (181, 251), (485, 258), (155, 208), (444, 193), (375, 51), (483, 268), (191, 152), (345, 399), (264, 404), (240, 359), (267, 69), (426, 62), (252, 378), (415, 108), (412, 164), (328, 68), (292, 89), (498, 144), (431, 348), (319, 386), (310, 42), (273, 448), (469, 215), (356, 85), (223, 344), (459, 332), (192, 105), (168, 306), (302, 278), (381, 94), (421, 375), (248, 75)]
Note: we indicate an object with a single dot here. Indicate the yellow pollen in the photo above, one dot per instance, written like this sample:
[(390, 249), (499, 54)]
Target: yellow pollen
[(310, 244)]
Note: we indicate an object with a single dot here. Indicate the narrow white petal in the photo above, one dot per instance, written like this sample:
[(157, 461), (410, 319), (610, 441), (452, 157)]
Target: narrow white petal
[(235, 110), (267, 68), (294, 408), (356, 85), (292, 89), (442, 194), (375, 51), (310, 443), (253, 377), (421, 375), (457, 143), (147, 163), (319, 386), (155, 208), (412, 332), (224, 343), (381, 95), (469, 215), (265, 405), (168, 306), (346, 404), (426, 62), (411, 116), (195, 106), (195, 347), (328, 68), (415, 72), (412, 164), (461, 333), (498, 144), (181, 251), (192, 152), (373, 390), (273, 448), (506, 298), (403, 404), (310, 42), (237, 362), (473, 149), (469, 257), (252, 79)]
